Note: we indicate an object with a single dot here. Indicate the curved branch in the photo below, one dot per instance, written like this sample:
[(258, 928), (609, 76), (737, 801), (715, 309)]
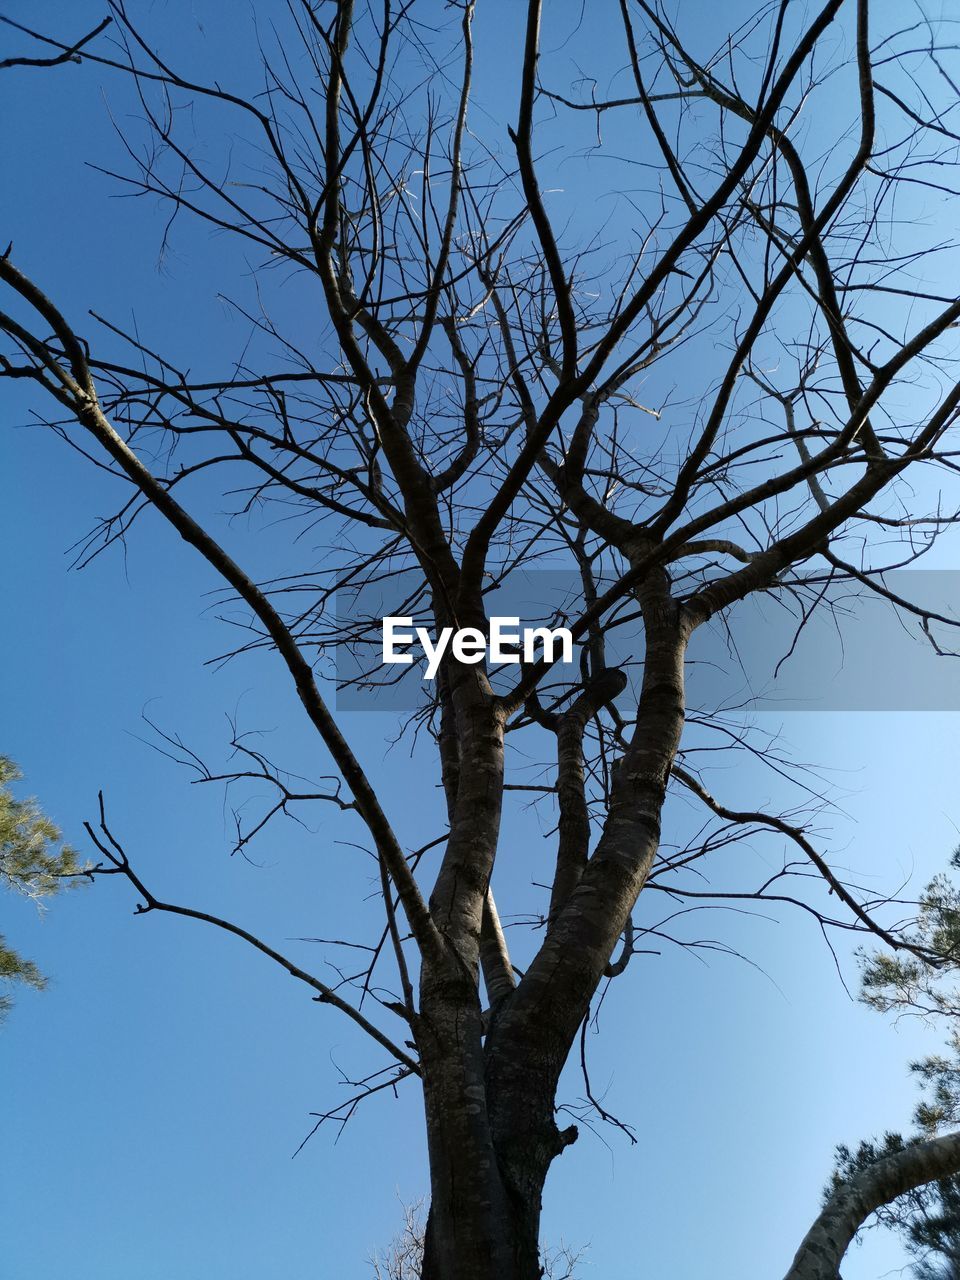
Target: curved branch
[(825, 1244)]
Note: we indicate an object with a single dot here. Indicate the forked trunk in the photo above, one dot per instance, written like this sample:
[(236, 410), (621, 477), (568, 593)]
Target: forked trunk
[(491, 1139), (490, 1091)]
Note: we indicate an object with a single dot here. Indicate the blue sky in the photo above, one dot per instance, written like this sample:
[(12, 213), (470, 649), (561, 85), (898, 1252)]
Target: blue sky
[(153, 1097)]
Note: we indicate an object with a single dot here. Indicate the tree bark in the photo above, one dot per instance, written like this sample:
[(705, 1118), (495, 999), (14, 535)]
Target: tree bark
[(469, 1228), (492, 1139)]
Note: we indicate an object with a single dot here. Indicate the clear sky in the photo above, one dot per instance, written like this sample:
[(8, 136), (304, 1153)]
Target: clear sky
[(153, 1096)]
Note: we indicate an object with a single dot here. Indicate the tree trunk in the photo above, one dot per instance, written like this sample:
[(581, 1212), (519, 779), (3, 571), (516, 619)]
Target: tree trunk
[(473, 1231), (492, 1139)]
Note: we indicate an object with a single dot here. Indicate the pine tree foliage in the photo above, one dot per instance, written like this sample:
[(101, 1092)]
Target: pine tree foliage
[(34, 862), (909, 985), (928, 1217)]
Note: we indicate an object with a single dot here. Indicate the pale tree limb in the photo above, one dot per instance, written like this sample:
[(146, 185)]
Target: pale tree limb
[(846, 1210)]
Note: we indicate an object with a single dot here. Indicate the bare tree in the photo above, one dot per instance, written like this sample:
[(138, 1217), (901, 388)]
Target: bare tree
[(745, 388), (403, 1260)]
